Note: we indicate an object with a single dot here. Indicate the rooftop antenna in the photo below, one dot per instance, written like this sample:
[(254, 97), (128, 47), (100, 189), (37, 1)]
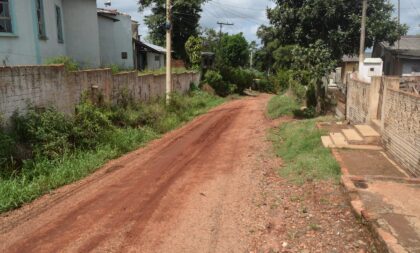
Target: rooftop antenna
[(108, 3)]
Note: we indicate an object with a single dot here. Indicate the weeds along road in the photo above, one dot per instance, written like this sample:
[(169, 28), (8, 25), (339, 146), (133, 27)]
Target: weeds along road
[(191, 191)]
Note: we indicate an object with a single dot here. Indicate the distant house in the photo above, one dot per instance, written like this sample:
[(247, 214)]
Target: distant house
[(116, 31), (33, 31), (150, 57), (400, 60)]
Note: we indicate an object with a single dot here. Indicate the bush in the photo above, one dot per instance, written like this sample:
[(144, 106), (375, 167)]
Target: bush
[(69, 63), (242, 78), (298, 90), (268, 86), (46, 131), (215, 80), (282, 106), (306, 113), (90, 125), (283, 79)]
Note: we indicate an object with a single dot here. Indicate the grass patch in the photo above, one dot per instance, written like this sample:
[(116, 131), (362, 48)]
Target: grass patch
[(162, 71), (282, 105), (299, 145), (65, 150)]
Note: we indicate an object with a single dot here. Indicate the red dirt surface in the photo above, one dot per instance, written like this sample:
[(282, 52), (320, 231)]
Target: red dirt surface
[(207, 187)]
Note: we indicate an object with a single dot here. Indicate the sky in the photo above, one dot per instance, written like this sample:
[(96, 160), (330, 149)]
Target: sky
[(248, 15)]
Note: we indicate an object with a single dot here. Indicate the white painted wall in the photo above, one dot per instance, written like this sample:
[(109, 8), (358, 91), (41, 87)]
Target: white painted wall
[(81, 31), (116, 38), (51, 47), (152, 64), (19, 48)]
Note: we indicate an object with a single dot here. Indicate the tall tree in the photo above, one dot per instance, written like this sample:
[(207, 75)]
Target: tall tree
[(335, 22), (234, 50), (186, 15)]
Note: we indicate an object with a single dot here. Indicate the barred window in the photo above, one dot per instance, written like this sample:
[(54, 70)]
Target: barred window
[(41, 21), (5, 17), (59, 24)]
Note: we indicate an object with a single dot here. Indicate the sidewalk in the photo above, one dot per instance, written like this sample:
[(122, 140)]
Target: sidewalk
[(381, 192)]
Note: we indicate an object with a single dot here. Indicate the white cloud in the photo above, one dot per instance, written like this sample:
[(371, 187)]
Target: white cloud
[(248, 15)]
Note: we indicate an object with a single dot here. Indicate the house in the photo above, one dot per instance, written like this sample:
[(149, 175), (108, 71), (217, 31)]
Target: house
[(33, 31), (402, 58), (116, 32), (150, 57), (349, 64)]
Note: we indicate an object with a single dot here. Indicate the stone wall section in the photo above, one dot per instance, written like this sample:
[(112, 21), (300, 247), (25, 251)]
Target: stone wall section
[(401, 132), (43, 86)]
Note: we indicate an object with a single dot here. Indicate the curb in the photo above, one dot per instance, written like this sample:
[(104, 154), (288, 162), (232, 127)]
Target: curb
[(384, 241)]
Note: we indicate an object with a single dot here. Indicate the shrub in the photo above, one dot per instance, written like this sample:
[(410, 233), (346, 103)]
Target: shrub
[(298, 90), (215, 80), (283, 79), (306, 113), (282, 106), (90, 125), (7, 147), (268, 85), (69, 63), (242, 78), (46, 131)]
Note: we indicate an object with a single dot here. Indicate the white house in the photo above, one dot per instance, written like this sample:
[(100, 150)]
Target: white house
[(116, 39), (32, 31), (150, 57)]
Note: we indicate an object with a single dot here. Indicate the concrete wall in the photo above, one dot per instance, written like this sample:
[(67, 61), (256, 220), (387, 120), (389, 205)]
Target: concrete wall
[(21, 46), (401, 131), (115, 38), (358, 93), (152, 63), (51, 47), (45, 86), (398, 113), (82, 31)]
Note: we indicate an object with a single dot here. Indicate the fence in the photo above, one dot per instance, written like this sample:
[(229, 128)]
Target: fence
[(44, 86), (397, 113)]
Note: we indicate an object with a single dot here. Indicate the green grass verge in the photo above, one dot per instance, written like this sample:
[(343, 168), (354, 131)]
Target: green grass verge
[(163, 71), (43, 175), (299, 145), (282, 105)]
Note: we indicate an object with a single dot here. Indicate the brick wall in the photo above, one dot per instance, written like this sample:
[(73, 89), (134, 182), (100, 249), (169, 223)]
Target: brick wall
[(357, 100), (401, 128), (52, 86)]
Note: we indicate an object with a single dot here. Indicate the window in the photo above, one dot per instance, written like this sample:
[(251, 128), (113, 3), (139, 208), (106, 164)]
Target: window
[(41, 21), (59, 24), (157, 57), (124, 55), (5, 17)]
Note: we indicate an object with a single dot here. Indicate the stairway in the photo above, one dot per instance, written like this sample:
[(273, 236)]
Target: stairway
[(362, 137)]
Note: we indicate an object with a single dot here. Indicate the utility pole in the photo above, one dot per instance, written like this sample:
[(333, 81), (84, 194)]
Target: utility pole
[(221, 28), (252, 59), (362, 37), (168, 50), (399, 19)]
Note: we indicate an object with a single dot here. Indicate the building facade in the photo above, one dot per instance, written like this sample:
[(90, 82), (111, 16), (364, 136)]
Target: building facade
[(402, 58), (33, 31), (116, 39)]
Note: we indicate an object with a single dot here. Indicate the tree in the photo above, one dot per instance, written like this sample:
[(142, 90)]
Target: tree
[(194, 47), (335, 22), (233, 50), (185, 22), (311, 64)]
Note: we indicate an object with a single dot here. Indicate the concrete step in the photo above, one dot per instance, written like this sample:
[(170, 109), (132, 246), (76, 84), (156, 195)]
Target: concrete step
[(352, 136), (327, 142), (376, 124), (339, 140), (370, 135)]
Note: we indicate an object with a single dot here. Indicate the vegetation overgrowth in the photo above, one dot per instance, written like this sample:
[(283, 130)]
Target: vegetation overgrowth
[(298, 143), (47, 149)]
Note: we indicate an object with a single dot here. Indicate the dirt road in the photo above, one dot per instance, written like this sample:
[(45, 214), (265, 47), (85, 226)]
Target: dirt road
[(194, 190)]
